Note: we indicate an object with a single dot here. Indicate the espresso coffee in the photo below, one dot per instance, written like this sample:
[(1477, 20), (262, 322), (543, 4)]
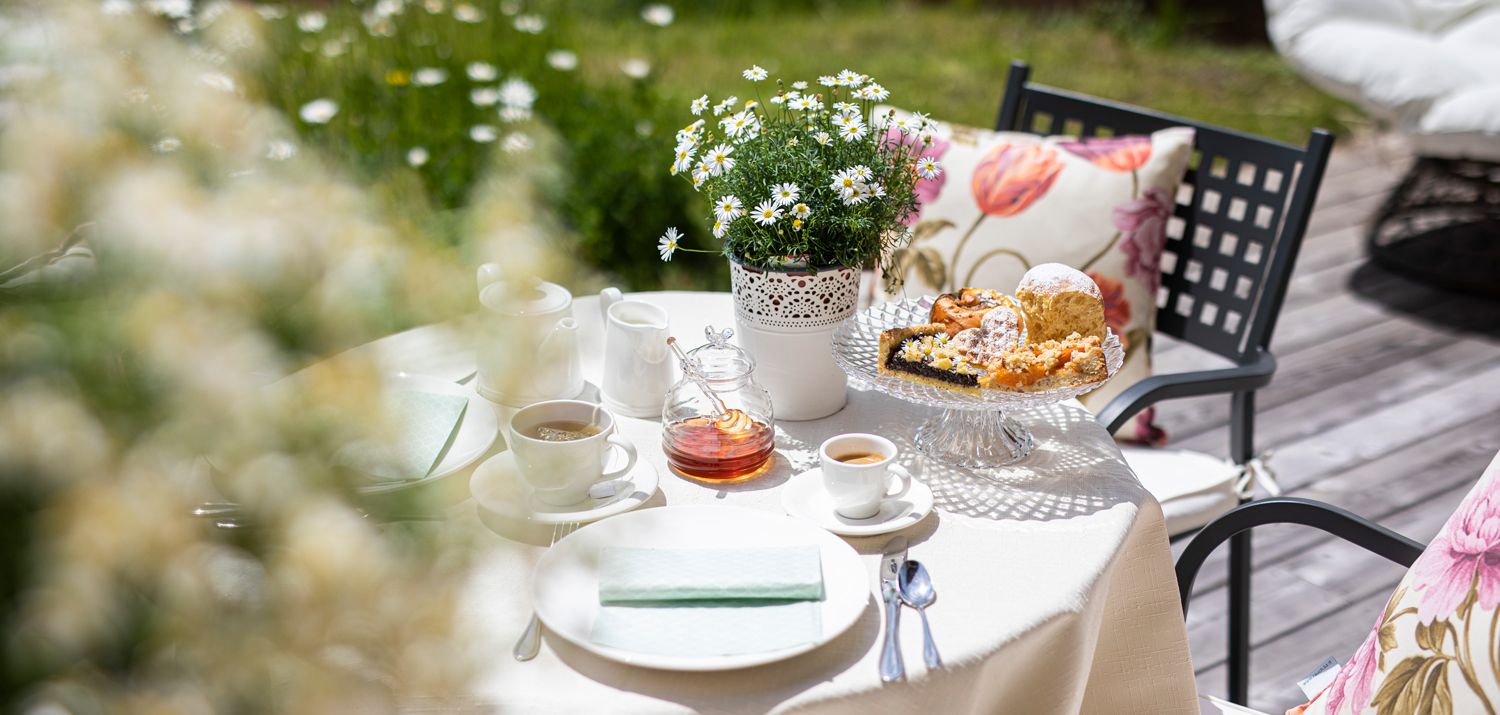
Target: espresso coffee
[(860, 458), (562, 431)]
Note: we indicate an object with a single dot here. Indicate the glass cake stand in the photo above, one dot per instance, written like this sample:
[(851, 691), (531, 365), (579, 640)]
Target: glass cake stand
[(972, 431)]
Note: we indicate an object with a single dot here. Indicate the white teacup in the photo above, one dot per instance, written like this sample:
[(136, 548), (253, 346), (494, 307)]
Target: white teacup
[(561, 472), (859, 472)]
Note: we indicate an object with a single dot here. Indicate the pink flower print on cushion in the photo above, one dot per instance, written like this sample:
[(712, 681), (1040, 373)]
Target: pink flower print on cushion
[(1126, 153), (1352, 685), (1143, 224), (1465, 554)]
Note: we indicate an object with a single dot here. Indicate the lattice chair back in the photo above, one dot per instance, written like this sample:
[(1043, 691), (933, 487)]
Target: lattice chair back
[(1238, 222)]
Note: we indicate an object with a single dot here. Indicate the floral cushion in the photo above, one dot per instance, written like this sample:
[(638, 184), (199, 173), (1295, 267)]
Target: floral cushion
[(1434, 649), (1007, 201)]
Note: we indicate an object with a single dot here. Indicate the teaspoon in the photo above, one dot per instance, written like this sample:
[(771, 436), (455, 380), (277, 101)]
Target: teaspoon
[(917, 592)]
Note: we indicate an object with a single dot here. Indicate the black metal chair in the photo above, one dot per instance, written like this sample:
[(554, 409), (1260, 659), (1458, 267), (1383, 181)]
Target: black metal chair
[(1237, 227)]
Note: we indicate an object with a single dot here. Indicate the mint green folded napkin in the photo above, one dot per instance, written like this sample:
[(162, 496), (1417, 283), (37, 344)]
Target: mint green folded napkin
[(425, 425), (709, 602)]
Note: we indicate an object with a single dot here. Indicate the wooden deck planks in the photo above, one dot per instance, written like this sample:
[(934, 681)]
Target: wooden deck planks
[(1386, 402)]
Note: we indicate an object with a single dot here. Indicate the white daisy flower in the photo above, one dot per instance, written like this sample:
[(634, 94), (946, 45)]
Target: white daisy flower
[(699, 105), (635, 67), (873, 92), (877, 190), (667, 244), (725, 105), (429, 77), (778, 100), (311, 21), (861, 173), (929, 168), (766, 213), (823, 138), (416, 157), (852, 132), (785, 194), (562, 60), (844, 183), (799, 84), (855, 196), (740, 123), (511, 115), (792, 95), (658, 14), (464, 12), (701, 172), (905, 125), (530, 24), (481, 72), (846, 109), (728, 209), (850, 78), (797, 224), (806, 104), (517, 92), (483, 133), (720, 228), (698, 180), (756, 73), (318, 111), (682, 158), (828, 81), (484, 96), (515, 143), (280, 150), (792, 142), (801, 210), (921, 121)]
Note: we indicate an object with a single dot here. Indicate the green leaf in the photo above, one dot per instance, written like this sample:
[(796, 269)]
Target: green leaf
[(1393, 691), (1442, 700), (927, 229)]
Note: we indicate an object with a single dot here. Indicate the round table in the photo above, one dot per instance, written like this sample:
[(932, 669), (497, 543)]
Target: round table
[(1055, 585)]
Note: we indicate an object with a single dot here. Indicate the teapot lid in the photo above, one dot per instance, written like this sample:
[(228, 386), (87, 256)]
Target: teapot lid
[(720, 359), (532, 297)]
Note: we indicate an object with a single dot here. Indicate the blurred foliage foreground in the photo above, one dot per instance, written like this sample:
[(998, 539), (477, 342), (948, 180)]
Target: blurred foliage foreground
[(167, 248)]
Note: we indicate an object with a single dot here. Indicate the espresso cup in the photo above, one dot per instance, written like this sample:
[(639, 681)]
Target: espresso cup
[(561, 472), (857, 488)]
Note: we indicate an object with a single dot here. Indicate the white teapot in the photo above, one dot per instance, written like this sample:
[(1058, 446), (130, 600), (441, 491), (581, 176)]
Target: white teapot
[(528, 340)]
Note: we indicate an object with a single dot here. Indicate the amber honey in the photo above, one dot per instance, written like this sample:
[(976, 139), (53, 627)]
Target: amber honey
[(730, 447)]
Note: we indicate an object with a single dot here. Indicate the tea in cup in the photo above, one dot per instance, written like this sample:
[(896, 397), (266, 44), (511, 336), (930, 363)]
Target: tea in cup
[(562, 448), (859, 473)]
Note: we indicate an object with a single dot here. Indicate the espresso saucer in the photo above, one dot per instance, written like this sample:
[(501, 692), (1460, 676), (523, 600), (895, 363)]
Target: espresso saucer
[(804, 497), (498, 489)]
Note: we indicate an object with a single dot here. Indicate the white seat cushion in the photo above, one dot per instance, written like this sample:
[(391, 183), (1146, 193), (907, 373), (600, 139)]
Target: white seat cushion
[(1193, 488), (1429, 67)]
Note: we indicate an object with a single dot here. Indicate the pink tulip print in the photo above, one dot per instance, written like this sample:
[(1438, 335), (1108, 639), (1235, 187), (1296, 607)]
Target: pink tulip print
[(1114, 153), (1011, 177)]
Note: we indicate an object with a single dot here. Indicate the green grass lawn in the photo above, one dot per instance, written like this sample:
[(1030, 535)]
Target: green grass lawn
[(951, 61)]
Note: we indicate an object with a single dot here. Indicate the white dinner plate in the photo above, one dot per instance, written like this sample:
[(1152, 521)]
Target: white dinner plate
[(804, 497), (565, 587), (498, 488), (476, 431)]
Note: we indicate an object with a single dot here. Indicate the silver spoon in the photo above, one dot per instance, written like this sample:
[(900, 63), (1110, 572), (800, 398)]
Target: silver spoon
[(917, 592)]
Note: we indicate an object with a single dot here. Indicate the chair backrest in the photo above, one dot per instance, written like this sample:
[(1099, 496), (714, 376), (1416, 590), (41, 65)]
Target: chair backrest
[(1239, 220)]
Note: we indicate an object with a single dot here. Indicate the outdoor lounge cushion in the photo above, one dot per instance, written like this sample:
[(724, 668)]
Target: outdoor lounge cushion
[(1433, 649), (1431, 68)]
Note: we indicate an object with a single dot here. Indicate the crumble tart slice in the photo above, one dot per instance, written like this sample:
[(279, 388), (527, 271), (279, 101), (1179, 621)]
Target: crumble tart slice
[(924, 354)]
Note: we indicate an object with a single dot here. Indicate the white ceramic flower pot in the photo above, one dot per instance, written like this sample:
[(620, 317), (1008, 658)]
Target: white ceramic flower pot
[(785, 320)]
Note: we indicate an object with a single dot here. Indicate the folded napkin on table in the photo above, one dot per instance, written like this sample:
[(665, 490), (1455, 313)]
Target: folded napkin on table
[(425, 425), (705, 602)]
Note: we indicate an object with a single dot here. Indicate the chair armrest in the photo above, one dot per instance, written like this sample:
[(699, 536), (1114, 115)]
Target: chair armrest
[(1291, 510), (1252, 375)]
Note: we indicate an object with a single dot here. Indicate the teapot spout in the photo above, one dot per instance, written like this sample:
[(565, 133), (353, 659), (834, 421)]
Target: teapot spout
[(562, 342)]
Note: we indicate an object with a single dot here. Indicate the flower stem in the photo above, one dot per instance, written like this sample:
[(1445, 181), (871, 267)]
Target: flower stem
[(1466, 664), (969, 279), (959, 249), (1090, 262)]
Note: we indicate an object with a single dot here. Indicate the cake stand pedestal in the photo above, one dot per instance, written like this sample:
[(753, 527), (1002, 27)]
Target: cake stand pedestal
[(974, 438)]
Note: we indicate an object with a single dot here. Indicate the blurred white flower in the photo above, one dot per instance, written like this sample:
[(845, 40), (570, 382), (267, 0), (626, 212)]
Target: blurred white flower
[(481, 71), (517, 92), (416, 156), (699, 105), (484, 96), (387, 8), (756, 73), (464, 12), (515, 143), (510, 7), (483, 133), (218, 80), (271, 12), (799, 84), (635, 67), (530, 24), (334, 48), (114, 8), (511, 115), (563, 60), (312, 21), (318, 111), (177, 9), (658, 14), (280, 150), (432, 7), (429, 77), (167, 145)]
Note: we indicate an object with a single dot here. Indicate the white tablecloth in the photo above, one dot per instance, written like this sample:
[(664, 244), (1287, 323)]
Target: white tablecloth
[(1055, 583)]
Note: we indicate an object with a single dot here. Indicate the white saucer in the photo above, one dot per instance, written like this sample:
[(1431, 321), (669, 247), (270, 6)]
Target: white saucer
[(804, 497), (498, 488)]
